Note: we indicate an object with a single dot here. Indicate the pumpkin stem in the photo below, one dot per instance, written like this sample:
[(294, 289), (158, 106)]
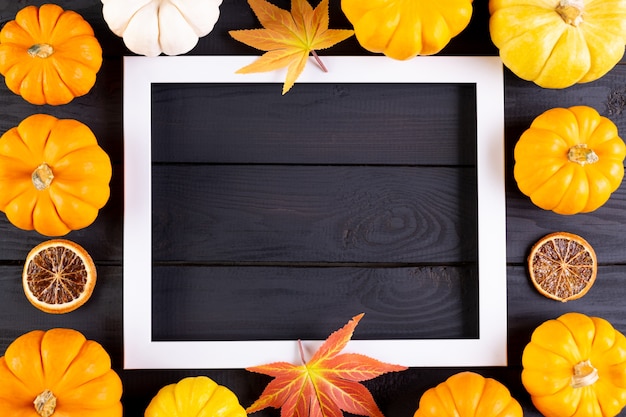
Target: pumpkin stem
[(42, 177), (582, 155), (45, 403), (571, 11), (41, 50), (584, 374)]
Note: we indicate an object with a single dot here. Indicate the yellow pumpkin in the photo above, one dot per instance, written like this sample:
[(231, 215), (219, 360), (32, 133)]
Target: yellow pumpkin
[(54, 177), (468, 394), (558, 43), (569, 160), (49, 55), (195, 396), (58, 373), (403, 29), (575, 365)]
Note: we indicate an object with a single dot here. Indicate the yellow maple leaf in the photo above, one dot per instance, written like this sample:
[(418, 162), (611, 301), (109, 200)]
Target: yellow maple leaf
[(288, 37)]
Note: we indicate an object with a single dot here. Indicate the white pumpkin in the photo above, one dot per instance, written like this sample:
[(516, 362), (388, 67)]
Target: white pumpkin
[(152, 27)]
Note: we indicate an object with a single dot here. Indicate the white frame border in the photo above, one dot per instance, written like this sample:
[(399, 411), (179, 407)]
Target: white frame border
[(489, 349)]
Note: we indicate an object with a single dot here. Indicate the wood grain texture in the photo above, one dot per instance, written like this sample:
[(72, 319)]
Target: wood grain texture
[(313, 214), (259, 303), (414, 124)]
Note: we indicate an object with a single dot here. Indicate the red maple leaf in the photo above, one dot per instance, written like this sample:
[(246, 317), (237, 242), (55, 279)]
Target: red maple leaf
[(325, 385)]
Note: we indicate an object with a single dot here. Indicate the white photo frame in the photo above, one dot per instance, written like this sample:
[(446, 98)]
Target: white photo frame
[(486, 73)]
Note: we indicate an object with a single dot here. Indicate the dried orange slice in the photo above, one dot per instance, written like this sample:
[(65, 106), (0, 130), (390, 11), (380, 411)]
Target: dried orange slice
[(562, 266), (59, 276)]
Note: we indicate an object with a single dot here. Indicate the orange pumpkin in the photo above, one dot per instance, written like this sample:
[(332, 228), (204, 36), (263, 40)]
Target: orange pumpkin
[(569, 160), (58, 373), (403, 29), (49, 55), (468, 394), (54, 177), (575, 365)]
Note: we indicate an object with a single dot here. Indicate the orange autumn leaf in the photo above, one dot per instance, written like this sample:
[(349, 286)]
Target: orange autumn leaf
[(288, 38), (325, 385)]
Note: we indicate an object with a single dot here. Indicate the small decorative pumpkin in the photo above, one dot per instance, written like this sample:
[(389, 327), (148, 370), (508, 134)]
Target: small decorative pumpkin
[(195, 396), (575, 365), (152, 27), (468, 394), (403, 29), (558, 43), (569, 160), (49, 55), (58, 373), (53, 175)]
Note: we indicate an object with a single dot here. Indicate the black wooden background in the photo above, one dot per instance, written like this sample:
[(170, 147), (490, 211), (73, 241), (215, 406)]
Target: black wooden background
[(360, 236), (300, 209)]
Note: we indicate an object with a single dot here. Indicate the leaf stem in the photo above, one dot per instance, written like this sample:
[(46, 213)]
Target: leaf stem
[(319, 61), (301, 352)]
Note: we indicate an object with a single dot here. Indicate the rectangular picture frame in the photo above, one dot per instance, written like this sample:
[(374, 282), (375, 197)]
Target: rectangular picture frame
[(486, 73)]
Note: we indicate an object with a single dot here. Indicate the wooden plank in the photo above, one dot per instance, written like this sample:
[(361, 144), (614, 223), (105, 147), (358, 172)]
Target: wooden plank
[(314, 214), (233, 303), (426, 124), (524, 100), (603, 228)]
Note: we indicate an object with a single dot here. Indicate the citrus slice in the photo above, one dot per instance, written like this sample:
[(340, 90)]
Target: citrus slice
[(59, 276), (562, 266)]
